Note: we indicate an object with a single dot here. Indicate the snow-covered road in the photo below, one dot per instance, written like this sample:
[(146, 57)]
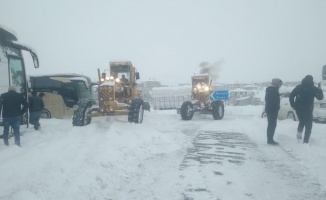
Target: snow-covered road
[(165, 158)]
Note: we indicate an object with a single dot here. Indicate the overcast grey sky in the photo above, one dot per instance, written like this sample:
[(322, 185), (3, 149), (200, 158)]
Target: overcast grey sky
[(253, 40)]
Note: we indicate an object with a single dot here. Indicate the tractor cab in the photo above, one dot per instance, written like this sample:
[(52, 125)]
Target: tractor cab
[(200, 88)]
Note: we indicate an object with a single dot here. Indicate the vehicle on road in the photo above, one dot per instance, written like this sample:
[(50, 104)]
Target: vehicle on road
[(118, 94), (286, 111), (200, 100), (62, 92), (12, 65)]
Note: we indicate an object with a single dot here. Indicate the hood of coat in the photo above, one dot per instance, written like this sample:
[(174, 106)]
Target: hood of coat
[(277, 82), (307, 81)]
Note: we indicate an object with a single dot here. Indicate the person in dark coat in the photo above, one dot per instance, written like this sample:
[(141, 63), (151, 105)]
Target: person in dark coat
[(13, 105), (302, 100), (272, 106), (124, 80), (36, 105)]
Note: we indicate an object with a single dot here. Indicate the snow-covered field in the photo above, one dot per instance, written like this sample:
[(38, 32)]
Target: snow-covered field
[(165, 158)]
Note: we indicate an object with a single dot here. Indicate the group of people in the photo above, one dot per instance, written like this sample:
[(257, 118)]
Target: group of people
[(301, 100), (12, 107)]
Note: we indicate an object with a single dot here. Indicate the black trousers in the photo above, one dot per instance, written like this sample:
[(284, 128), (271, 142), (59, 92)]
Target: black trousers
[(305, 122), (272, 123)]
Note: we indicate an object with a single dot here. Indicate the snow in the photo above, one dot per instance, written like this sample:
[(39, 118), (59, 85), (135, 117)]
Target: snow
[(108, 83), (28, 48), (165, 158), (9, 31), (239, 90)]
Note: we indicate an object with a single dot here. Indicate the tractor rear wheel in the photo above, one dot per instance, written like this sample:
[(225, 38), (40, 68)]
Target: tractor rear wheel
[(187, 110), (217, 110)]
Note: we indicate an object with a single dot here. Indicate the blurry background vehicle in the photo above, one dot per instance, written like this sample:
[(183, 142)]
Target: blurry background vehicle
[(319, 114), (286, 111), (201, 100), (62, 92)]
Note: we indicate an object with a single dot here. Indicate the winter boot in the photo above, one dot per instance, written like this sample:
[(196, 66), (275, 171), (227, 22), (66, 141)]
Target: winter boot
[(299, 135), (272, 143), (37, 127)]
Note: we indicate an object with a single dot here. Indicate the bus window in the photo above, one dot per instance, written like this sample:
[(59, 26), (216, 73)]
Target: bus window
[(84, 92), (17, 76)]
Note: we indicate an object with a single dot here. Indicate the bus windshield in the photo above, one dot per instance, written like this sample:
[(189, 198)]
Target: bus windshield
[(83, 91), (12, 68), (17, 75)]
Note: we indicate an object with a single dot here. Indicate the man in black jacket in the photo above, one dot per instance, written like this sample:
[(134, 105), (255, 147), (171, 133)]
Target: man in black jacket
[(272, 106), (10, 105), (302, 100), (36, 106)]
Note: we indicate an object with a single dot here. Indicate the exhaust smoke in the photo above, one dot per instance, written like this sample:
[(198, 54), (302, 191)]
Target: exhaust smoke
[(211, 69)]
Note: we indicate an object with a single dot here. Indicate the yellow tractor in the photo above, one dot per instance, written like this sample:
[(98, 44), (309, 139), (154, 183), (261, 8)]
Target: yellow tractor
[(118, 94), (200, 100)]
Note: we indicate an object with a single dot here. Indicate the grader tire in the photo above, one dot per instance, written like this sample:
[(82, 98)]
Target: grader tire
[(217, 110), (82, 115), (136, 111), (187, 110)]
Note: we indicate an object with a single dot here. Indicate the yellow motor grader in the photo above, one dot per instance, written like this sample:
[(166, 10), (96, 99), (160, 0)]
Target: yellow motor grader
[(117, 95), (200, 101)]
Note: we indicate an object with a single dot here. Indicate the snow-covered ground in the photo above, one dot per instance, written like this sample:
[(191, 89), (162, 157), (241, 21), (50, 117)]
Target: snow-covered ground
[(165, 158)]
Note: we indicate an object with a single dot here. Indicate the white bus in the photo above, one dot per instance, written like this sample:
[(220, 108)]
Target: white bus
[(12, 66)]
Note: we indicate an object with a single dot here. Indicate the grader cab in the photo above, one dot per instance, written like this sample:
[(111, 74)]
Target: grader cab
[(200, 102), (117, 95)]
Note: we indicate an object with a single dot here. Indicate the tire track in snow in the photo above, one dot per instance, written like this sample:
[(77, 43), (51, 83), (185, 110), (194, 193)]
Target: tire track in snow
[(210, 149)]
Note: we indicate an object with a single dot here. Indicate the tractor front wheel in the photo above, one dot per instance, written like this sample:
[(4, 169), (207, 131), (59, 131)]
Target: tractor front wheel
[(187, 110), (217, 110)]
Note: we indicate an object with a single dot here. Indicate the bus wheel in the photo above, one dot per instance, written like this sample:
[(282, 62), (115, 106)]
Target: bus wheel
[(45, 114)]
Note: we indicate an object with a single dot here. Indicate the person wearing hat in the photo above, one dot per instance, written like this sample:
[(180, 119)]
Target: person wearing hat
[(272, 106), (302, 100), (11, 109)]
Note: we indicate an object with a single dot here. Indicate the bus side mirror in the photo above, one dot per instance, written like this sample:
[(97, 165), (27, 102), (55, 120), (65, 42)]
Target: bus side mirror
[(35, 60), (137, 76)]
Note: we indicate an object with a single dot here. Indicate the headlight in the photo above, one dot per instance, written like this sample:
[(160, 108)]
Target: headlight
[(102, 79), (107, 78), (198, 87), (206, 88), (111, 78), (117, 80)]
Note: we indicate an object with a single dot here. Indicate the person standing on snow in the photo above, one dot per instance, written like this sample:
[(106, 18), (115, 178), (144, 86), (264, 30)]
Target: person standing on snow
[(36, 105), (10, 105), (272, 106), (302, 101)]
